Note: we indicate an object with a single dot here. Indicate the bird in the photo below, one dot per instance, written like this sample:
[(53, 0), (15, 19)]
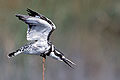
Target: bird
[(39, 31)]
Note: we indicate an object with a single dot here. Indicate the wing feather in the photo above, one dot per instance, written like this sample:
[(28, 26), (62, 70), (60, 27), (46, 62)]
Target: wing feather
[(38, 29), (35, 14)]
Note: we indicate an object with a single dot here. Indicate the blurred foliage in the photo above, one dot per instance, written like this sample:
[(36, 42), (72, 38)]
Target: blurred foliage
[(88, 32)]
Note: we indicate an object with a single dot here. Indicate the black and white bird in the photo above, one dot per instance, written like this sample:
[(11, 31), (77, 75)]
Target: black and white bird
[(38, 33)]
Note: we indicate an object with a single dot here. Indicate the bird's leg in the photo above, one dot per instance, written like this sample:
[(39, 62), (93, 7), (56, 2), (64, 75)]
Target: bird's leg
[(43, 68), (43, 55)]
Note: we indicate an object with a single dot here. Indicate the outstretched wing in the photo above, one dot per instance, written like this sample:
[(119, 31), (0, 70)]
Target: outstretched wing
[(38, 15), (39, 28), (35, 14)]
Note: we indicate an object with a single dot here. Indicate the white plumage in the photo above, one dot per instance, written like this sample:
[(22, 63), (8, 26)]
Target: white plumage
[(38, 33)]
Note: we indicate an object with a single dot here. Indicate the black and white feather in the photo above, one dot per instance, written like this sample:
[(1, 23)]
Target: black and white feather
[(38, 33)]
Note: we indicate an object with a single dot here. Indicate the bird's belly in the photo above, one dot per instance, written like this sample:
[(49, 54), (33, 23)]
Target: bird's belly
[(35, 50)]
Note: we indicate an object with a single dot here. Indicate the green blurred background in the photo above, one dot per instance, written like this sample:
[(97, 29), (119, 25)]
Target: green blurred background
[(88, 32)]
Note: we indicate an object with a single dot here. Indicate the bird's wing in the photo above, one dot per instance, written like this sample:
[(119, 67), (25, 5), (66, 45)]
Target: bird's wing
[(38, 15), (39, 28)]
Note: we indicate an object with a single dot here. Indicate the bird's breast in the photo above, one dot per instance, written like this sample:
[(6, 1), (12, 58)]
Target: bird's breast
[(41, 44)]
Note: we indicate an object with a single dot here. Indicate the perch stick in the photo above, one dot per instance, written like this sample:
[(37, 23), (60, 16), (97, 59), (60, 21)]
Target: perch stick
[(43, 68)]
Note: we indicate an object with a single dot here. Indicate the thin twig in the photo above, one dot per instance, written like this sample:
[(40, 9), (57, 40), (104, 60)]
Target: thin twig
[(43, 68)]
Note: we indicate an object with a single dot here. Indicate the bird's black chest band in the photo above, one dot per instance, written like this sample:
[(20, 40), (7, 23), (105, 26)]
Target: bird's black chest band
[(50, 50)]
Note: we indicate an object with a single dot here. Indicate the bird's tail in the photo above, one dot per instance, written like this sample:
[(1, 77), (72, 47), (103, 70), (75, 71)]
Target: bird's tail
[(13, 54), (68, 62), (60, 56)]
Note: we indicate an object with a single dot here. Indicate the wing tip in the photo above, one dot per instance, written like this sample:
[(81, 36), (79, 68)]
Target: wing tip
[(17, 15), (22, 17), (28, 9), (32, 13)]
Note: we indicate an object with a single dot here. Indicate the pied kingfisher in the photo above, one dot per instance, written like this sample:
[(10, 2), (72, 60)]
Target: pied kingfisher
[(38, 33)]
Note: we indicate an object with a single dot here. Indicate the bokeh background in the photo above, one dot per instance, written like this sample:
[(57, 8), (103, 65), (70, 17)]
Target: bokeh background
[(88, 32)]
